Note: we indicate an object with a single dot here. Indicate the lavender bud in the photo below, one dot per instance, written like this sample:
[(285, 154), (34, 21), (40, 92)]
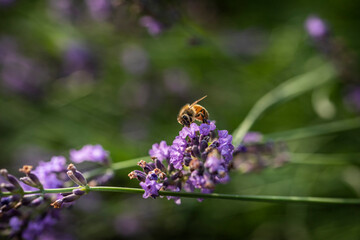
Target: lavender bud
[(28, 181), (187, 160), (176, 175), (71, 198), (11, 179), (146, 166), (171, 167), (36, 202), (159, 165), (57, 203), (26, 200), (78, 192), (35, 179), (65, 194), (139, 175), (195, 151), (212, 135), (152, 176), (195, 140), (8, 187), (76, 176), (203, 145)]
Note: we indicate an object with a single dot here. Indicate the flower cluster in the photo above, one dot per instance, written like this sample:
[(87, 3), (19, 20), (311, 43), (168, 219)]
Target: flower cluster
[(199, 158), (25, 216), (254, 155)]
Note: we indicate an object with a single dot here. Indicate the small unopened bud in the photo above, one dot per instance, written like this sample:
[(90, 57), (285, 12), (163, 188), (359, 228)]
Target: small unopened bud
[(176, 175), (159, 165), (187, 160), (36, 202), (76, 176), (57, 203), (203, 145), (29, 182), (147, 167), (8, 187), (78, 192), (26, 200), (195, 151), (139, 175), (11, 179)]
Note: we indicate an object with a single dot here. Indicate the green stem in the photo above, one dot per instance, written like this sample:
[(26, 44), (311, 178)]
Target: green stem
[(251, 198), (285, 91), (313, 131)]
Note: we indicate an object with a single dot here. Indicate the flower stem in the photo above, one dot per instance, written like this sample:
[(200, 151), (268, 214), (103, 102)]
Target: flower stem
[(285, 91), (251, 198)]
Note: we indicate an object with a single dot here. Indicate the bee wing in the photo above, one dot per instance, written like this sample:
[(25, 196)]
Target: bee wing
[(198, 101)]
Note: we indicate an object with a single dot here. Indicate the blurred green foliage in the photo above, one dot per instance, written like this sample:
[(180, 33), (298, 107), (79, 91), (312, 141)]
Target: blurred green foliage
[(128, 97)]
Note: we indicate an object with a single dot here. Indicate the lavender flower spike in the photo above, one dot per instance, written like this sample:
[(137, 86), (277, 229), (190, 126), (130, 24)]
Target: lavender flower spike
[(199, 157)]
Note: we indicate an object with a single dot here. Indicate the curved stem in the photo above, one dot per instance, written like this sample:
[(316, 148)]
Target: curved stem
[(287, 90), (253, 198)]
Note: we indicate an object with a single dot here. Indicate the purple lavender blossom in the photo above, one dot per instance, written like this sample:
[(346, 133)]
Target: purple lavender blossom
[(151, 188), (197, 159), (153, 26), (316, 27), (160, 151), (92, 153)]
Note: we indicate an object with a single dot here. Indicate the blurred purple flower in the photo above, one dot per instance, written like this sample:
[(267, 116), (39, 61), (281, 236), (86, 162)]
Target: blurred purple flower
[(316, 27), (153, 26), (160, 151), (78, 57), (92, 153), (99, 9), (252, 137), (19, 73)]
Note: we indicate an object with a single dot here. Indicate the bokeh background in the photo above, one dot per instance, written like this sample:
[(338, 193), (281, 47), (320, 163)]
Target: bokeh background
[(116, 72)]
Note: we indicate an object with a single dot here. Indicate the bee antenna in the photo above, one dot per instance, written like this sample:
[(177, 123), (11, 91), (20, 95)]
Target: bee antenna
[(198, 101)]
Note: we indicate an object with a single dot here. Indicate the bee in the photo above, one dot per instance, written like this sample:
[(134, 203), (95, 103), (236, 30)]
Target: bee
[(191, 112)]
